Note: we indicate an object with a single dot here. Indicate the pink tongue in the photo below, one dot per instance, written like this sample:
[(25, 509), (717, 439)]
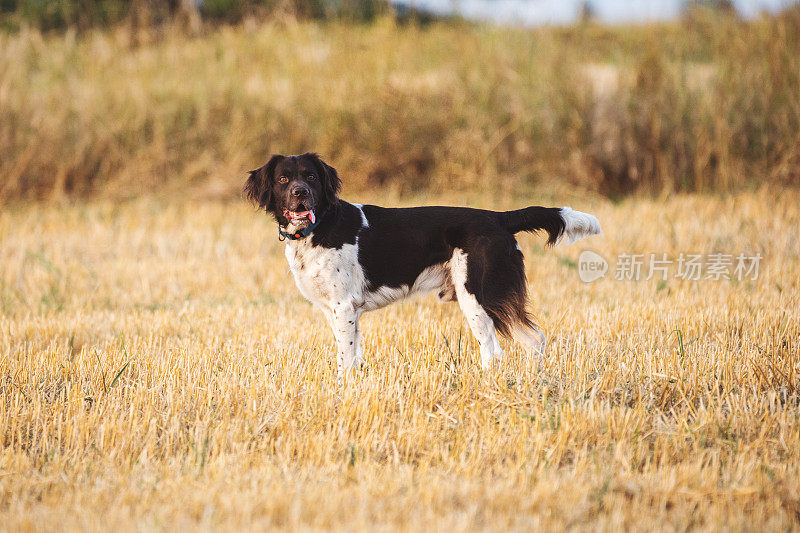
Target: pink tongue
[(299, 215)]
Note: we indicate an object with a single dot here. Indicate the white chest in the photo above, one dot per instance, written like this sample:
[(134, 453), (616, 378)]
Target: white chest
[(325, 276)]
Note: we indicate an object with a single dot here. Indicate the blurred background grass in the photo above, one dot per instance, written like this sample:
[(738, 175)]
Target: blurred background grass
[(123, 99)]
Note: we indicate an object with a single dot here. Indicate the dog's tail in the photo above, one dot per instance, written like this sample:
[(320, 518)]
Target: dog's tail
[(558, 222)]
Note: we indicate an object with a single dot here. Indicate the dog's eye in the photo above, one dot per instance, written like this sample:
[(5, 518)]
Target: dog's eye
[(311, 177), (283, 179)]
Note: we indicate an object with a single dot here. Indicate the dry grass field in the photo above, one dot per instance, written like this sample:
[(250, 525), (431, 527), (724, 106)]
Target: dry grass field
[(158, 369)]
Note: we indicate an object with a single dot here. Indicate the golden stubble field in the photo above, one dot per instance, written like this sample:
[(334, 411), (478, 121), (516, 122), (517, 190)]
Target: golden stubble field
[(158, 368)]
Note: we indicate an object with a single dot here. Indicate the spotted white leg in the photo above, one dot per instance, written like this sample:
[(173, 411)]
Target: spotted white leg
[(360, 364), (344, 320)]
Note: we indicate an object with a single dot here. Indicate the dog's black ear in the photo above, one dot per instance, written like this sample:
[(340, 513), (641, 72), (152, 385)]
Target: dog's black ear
[(258, 187), (331, 184)]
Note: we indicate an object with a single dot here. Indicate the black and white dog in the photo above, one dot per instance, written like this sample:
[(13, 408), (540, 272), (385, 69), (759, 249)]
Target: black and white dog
[(351, 258)]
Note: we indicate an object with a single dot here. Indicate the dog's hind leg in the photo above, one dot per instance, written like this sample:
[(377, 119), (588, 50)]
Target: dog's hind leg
[(531, 338), (482, 327), (478, 319)]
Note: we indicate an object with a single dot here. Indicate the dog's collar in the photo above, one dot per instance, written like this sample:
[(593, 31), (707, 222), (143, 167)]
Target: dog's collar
[(301, 233)]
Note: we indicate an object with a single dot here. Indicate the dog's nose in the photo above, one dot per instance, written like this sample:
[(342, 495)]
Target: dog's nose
[(300, 191)]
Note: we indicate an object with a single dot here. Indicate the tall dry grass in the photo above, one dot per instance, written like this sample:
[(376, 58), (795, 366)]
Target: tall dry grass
[(159, 370), (709, 104)]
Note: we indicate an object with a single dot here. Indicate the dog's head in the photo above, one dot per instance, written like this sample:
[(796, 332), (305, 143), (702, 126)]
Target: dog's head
[(295, 189)]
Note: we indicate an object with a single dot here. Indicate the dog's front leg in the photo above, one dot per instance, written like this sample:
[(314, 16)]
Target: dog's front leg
[(344, 320)]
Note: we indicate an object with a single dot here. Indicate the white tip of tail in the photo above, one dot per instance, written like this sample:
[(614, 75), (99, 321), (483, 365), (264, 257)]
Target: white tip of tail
[(578, 225)]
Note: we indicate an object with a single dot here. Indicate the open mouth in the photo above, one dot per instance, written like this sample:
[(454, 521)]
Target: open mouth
[(300, 214)]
